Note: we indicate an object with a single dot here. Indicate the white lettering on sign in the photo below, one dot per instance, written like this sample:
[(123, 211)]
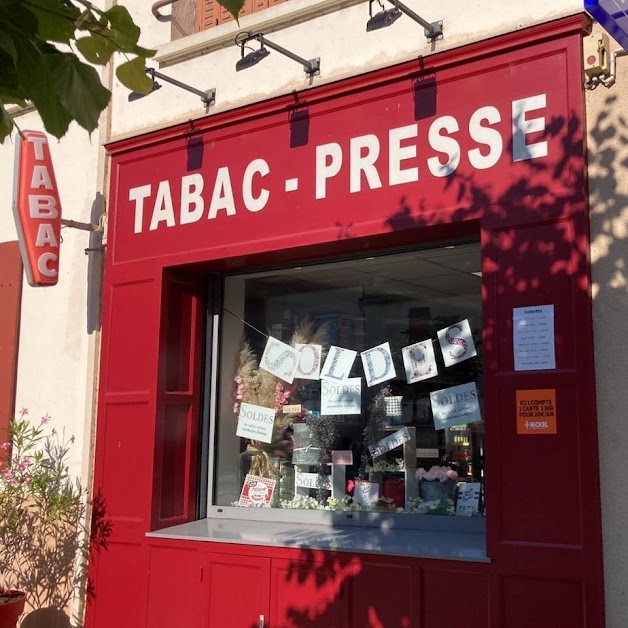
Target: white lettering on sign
[(37, 209), (390, 442), (311, 480), (364, 158)]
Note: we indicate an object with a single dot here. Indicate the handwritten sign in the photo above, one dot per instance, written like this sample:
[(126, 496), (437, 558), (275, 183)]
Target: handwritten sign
[(256, 422), (536, 411), (468, 502), (389, 443), (256, 491), (311, 480)]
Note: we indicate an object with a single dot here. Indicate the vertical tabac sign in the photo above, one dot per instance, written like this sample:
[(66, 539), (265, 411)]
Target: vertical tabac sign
[(37, 209)]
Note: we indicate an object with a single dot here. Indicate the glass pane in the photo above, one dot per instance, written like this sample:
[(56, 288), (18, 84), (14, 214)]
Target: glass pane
[(395, 426)]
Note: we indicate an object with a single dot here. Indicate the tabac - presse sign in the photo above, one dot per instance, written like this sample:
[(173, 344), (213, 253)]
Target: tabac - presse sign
[(37, 209)]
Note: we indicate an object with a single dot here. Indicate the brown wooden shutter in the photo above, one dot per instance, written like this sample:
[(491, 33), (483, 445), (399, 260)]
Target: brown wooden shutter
[(210, 13), (10, 307)]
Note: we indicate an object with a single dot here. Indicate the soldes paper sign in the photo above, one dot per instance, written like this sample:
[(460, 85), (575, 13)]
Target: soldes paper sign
[(256, 422), (419, 361), (533, 337), (341, 397), (457, 405), (390, 442), (338, 364), (378, 364), (309, 359), (311, 480), (456, 343), (257, 491), (279, 359), (37, 209)]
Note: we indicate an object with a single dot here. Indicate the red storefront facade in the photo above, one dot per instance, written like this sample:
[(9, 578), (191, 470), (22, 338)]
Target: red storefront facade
[(484, 142)]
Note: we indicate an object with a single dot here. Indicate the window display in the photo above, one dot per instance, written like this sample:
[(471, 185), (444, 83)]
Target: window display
[(354, 385)]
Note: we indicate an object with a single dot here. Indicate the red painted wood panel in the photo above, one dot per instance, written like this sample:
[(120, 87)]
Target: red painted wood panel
[(310, 591), (238, 591), (134, 315), (383, 594), (543, 602), (455, 598), (177, 594), (122, 591), (10, 300)]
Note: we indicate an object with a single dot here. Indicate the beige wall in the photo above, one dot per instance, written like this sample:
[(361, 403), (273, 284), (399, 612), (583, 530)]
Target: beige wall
[(607, 126)]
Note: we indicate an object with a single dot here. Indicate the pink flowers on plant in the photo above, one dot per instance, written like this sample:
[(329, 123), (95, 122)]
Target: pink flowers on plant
[(46, 419), (436, 473)]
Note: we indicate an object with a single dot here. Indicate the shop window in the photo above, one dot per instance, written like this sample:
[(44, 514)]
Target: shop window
[(189, 16), (354, 386)]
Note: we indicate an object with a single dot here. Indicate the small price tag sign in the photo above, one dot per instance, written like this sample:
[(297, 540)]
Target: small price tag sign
[(311, 480)]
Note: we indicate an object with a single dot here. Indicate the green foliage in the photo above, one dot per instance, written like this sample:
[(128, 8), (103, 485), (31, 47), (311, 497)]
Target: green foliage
[(62, 86), (233, 6), (41, 514)]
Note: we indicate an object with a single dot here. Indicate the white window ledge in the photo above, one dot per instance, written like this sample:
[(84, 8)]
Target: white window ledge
[(266, 21), (382, 540)]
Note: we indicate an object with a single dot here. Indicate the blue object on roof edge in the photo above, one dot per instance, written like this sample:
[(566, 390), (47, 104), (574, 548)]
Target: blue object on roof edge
[(612, 16)]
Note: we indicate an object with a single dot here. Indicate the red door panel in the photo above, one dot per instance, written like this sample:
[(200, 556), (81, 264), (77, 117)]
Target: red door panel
[(175, 591), (238, 591), (310, 593)]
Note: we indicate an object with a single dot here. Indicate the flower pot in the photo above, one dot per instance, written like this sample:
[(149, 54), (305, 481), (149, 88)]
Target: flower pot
[(11, 607), (435, 490)]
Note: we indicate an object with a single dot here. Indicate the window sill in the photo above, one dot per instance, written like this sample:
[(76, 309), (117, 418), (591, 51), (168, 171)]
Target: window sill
[(386, 540), (267, 21)]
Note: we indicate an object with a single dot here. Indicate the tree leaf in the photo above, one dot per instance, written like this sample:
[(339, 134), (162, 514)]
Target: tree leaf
[(121, 20), (56, 19), (233, 6), (14, 16), (6, 44), (95, 49), (6, 124), (78, 87), (132, 74)]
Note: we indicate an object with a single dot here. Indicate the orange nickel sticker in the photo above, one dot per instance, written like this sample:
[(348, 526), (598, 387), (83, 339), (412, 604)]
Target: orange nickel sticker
[(536, 411)]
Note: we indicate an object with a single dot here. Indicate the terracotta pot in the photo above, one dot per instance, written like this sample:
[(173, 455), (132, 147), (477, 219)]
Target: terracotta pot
[(11, 608)]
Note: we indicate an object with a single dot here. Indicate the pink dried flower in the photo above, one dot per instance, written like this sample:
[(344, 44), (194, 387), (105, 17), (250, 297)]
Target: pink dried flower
[(436, 473), (46, 419)]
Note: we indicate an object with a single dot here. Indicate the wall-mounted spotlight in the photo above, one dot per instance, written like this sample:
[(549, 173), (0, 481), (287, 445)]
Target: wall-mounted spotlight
[(386, 17), (208, 97), (312, 67)]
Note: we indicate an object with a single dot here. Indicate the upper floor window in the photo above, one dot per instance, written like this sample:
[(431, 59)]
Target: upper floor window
[(192, 16)]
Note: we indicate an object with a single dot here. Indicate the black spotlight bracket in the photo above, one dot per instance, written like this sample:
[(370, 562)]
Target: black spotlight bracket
[(208, 97), (312, 67), (433, 30)]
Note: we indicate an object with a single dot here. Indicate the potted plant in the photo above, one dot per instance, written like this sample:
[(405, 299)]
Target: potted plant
[(41, 508), (437, 483)]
